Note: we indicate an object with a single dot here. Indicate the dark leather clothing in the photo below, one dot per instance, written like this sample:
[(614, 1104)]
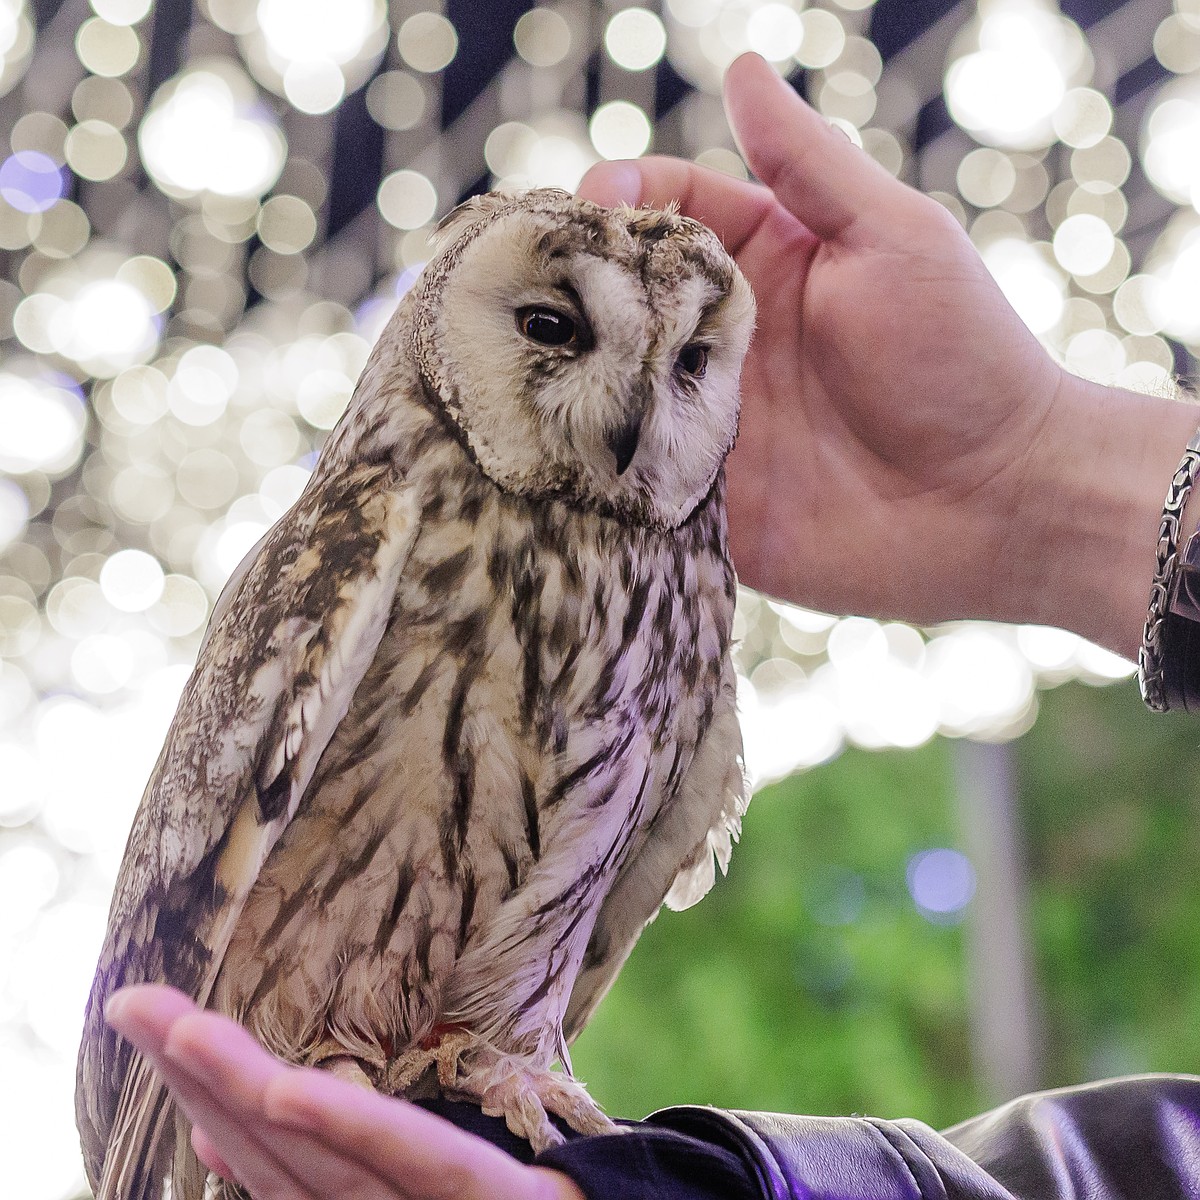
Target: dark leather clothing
[(1124, 1139), (1132, 1139)]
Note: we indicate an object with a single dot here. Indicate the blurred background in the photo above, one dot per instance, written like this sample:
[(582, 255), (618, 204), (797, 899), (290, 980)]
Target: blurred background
[(969, 868)]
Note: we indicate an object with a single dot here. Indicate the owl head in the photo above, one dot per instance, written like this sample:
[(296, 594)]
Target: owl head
[(585, 353)]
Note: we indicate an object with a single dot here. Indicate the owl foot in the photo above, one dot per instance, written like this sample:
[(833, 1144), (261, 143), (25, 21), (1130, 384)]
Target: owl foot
[(439, 1052), (504, 1085), (405, 1071), (527, 1096), (342, 1066), (332, 1056)]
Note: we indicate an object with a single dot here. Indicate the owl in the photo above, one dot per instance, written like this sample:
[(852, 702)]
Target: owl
[(466, 716)]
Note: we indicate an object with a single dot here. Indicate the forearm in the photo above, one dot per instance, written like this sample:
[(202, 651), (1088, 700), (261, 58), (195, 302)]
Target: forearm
[(1083, 558)]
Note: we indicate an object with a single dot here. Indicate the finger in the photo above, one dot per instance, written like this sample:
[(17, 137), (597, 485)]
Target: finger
[(248, 1152), (734, 209), (208, 1154), (612, 183), (815, 172), (221, 1075), (272, 1163), (215, 1071), (412, 1149), (145, 1013)]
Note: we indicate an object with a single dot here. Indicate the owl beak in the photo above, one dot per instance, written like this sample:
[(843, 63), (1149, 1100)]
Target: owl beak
[(623, 442)]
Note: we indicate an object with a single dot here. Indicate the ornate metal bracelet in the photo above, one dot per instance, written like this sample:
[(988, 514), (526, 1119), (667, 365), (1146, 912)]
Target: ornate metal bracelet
[(1155, 639)]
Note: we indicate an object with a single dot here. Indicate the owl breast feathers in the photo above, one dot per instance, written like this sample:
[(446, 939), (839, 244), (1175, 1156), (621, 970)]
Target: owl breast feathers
[(466, 716)]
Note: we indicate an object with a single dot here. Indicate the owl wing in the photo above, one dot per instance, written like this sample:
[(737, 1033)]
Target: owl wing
[(676, 864), (280, 664)]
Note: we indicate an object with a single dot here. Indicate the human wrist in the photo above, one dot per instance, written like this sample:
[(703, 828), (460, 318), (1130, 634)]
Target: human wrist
[(1095, 490)]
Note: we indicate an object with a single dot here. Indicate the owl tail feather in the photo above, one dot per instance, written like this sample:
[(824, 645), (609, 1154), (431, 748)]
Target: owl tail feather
[(133, 1166), (189, 1175)]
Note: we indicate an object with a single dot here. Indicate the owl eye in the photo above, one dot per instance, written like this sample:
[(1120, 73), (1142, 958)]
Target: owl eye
[(693, 361), (546, 326)]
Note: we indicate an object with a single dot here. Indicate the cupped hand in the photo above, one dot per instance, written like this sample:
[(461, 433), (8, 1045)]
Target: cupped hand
[(892, 399), (286, 1133)]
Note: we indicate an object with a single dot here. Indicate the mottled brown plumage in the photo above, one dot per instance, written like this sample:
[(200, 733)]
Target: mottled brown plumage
[(466, 717)]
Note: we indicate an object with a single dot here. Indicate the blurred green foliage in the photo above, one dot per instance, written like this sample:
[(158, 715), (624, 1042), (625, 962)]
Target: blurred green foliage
[(1111, 807), (808, 981)]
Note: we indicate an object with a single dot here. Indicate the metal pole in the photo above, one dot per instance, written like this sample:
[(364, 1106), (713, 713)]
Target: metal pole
[(1004, 1009)]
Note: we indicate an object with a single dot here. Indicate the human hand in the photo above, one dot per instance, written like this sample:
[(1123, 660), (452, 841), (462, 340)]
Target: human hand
[(286, 1133), (907, 447)]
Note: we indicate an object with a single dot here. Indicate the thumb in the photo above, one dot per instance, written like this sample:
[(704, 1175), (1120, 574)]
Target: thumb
[(815, 171)]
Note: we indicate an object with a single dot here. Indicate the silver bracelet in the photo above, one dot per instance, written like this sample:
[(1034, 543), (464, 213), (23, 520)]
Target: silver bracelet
[(1150, 656)]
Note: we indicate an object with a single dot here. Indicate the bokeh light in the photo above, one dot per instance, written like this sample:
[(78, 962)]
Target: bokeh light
[(704, 36), (42, 421), (396, 100), (427, 42), (205, 131), (634, 38), (16, 42), (121, 12), (1083, 244), (941, 882), (1083, 118), (1170, 291), (312, 53), (1012, 70), (776, 31), (407, 199), (31, 181), (1028, 278), (553, 150), (107, 49), (620, 130), (98, 321), (309, 31), (1171, 141), (542, 37), (131, 580), (823, 41)]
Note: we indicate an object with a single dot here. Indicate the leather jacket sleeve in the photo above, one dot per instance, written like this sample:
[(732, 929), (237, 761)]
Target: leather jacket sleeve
[(1125, 1139)]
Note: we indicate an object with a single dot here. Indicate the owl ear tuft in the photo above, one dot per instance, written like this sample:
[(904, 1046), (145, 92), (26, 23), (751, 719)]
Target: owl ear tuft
[(470, 212), (478, 209)]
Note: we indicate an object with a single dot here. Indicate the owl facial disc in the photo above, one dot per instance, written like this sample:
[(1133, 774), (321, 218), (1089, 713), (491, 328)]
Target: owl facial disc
[(584, 353)]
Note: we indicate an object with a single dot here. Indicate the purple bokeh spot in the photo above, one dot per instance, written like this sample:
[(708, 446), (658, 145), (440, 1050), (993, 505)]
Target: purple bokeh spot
[(941, 882), (31, 181)]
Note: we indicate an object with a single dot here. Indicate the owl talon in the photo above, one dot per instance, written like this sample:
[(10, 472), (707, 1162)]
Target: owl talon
[(524, 1115), (404, 1072), (503, 1085), (440, 1049), (448, 1054), (526, 1097), (332, 1056), (345, 1067)]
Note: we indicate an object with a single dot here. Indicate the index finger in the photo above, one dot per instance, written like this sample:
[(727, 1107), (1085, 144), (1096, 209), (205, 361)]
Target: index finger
[(732, 208), (403, 1143), (817, 180)]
